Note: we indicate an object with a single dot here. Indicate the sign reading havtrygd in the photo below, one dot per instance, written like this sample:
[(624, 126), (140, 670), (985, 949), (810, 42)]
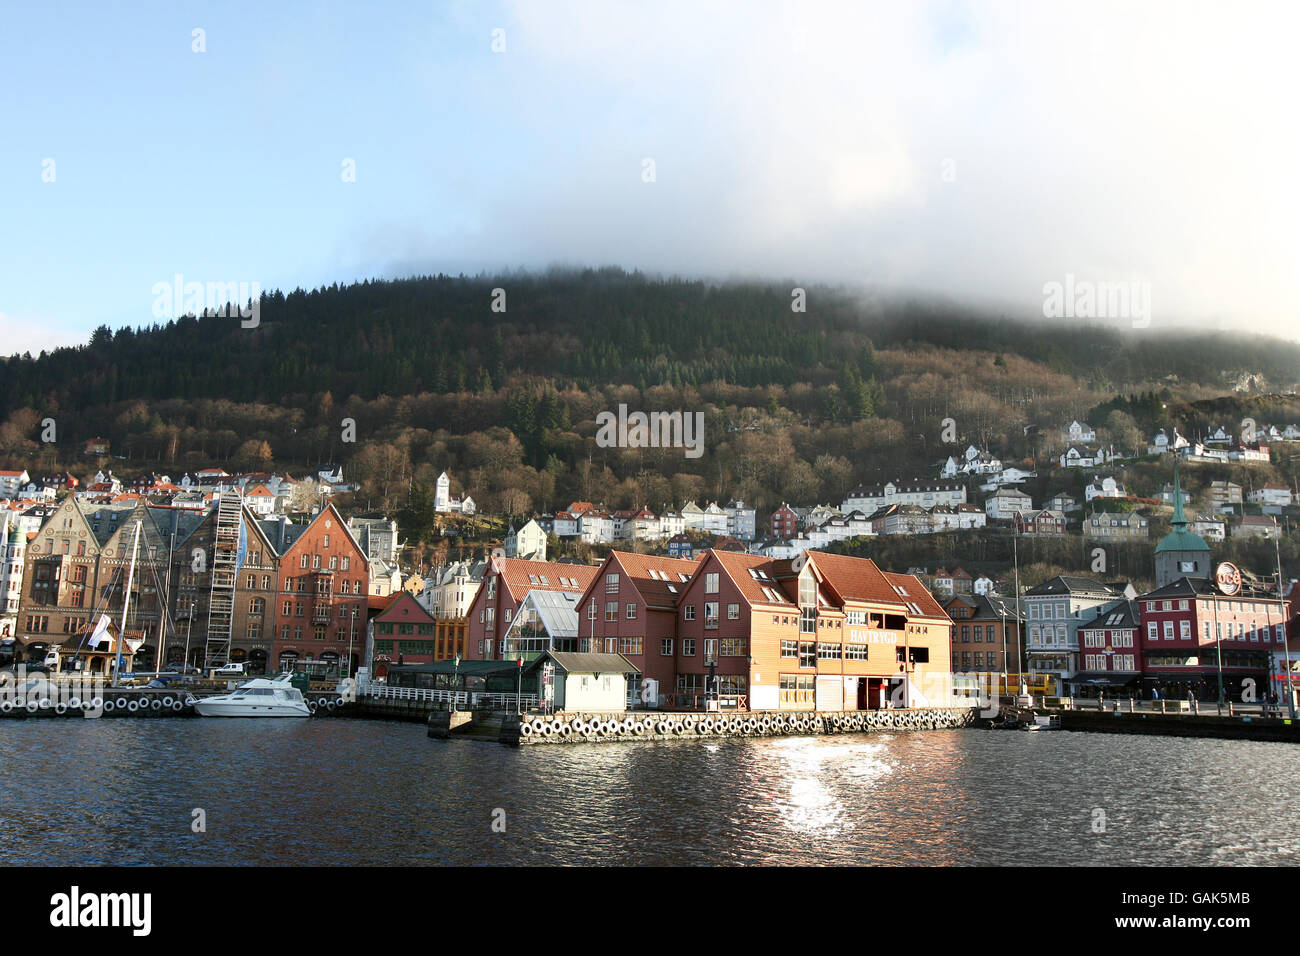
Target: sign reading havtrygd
[(653, 430)]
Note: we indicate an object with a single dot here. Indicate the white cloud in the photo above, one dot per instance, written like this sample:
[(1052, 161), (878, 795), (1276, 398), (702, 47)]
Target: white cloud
[(18, 335), (1105, 139)]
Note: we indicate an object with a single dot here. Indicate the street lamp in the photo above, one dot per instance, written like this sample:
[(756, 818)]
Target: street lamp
[(1286, 638), (519, 686), (455, 679)]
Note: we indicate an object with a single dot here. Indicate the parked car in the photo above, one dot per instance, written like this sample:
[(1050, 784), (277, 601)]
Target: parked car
[(229, 669)]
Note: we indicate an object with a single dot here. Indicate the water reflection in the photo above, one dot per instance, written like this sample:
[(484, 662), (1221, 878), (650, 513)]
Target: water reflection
[(371, 793)]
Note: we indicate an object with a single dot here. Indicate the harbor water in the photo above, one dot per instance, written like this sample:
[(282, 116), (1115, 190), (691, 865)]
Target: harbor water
[(361, 792)]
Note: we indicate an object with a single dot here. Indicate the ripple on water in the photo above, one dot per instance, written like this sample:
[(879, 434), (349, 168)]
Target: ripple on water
[(370, 793)]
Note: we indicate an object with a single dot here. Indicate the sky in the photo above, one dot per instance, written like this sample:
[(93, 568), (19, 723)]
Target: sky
[(981, 151)]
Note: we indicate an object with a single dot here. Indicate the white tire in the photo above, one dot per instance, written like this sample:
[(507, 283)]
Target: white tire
[(60, 708), (6, 706), (167, 701), (133, 706), (45, 703), (155, 704), (33, 706)]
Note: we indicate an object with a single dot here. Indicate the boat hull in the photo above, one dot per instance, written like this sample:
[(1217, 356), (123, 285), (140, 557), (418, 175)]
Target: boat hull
[(215, 708)]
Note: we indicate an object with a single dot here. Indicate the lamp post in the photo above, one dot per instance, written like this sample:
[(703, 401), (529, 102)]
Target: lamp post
[(455, 679), (1218, 648), (1286, 638), (712, 688), (1020, 677), (519, 685)]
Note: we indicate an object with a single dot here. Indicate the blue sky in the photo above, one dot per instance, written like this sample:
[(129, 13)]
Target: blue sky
[(974, 149)]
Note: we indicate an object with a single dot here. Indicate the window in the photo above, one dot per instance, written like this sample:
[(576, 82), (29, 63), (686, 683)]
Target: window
[(611, 584), (688, 612), (789, 648), (611, 610), (591, 610), (733, 612), (1185, 629), (631, 612), (665, 647), (688, 647), (1169, 630), (711, 614), (631, 645), (807, 654), (796, 689), (733, 647), (711, 583), (829, 652), (507, 615), (711, 648), (855, 652), (1152, 633)]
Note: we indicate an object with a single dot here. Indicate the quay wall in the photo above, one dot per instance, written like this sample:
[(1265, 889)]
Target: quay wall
[(1183, 725), (653, 725)]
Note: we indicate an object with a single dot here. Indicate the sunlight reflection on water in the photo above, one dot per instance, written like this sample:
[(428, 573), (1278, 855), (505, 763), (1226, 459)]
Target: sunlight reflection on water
[(367, 792)]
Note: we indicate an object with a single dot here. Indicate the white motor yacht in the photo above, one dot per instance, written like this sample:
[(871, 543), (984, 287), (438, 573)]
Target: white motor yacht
[(258, 697)]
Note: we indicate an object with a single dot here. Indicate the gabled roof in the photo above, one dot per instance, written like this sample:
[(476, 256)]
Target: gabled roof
[(860, 579), (653, 589), (1069, 584), (1125, 615), (514, 574), (591, 663), (403, 607)]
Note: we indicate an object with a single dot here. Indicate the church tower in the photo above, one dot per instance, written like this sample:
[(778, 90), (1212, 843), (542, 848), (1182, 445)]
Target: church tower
[(1181, 554), (442, 493)]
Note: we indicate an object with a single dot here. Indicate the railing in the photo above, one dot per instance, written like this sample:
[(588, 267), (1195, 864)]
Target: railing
[(460, 698), (505, 701)]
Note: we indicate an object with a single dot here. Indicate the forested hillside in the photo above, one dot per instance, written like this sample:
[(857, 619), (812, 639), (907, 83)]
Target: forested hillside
[(799, 405)]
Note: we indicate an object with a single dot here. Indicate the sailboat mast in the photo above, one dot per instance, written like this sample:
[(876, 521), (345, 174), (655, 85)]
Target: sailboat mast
[(126, 601)]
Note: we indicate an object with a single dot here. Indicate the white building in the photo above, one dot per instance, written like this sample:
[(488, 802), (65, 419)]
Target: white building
[(11, 482), (1081, 456), (444, 502), (1271, 494), (741, 521), (13, 549), (1104, 488), (452, 589), (1079, 433), (1162, 443), (529, 542), (1005, 503), (925, 493)]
